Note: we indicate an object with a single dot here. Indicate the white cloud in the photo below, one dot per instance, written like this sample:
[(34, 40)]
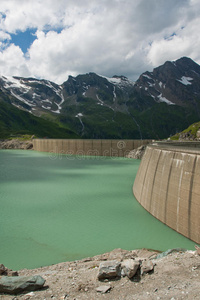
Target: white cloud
[(13, 57), (107, 37), (185, 43), (4, 36)]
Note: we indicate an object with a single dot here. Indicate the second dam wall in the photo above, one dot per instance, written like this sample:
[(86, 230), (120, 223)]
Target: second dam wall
[(89, 147), (168, 186)]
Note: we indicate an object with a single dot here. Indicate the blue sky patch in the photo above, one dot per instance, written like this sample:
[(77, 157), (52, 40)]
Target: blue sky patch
[(24, 39)]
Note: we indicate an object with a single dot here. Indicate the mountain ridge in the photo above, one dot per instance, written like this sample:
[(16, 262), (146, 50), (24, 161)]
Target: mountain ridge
[(160, 103)]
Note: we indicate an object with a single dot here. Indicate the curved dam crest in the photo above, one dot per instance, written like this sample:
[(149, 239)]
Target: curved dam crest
[(88, 147), (167, 186)]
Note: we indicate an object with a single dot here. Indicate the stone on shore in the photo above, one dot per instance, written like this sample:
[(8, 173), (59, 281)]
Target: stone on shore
[(129, 267), (7, 272), (146, 267), (197, 250), (103, 289), (2, 269), (20, 284), (109, 269)]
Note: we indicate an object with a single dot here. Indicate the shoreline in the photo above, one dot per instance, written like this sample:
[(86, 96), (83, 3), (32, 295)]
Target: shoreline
[(175, 276), (16, 144)]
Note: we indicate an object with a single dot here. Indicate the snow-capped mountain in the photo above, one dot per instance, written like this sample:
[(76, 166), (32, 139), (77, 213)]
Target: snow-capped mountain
[(158, 104), (32, 94), (174, 82)]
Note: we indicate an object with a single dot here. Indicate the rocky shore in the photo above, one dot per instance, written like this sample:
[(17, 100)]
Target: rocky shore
[(16, 144), (137, 274)]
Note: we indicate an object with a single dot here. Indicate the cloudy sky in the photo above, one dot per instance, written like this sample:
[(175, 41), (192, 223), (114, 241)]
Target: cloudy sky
[(54, 39)]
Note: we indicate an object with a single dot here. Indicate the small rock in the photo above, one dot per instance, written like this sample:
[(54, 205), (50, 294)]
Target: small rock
[(11, 273), (147, 266), (2, 269), (7, 272), (198, 249), (109, 269), (129, 267), (103, 289), (19, 284), (31, 294), (64, 297)]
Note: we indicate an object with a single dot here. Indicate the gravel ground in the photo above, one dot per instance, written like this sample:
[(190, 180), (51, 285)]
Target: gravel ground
[(175, 276)]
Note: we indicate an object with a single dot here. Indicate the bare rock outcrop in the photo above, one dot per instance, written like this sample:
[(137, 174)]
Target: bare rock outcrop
[(16, 144), (137, 153)]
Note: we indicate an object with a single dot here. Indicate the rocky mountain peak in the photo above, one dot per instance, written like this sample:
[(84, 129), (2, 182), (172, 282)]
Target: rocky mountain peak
[(97, 106)]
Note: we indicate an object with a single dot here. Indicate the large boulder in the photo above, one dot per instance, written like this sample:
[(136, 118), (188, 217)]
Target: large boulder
[(129, 267), (146, 267), (20, 284), (109, 269)]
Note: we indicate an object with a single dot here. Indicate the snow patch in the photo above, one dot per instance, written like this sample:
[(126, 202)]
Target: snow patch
[(185, 80), (114, 95), (147, 76), (86, 88), (11, 82), (163, 99), (60, 94), (46, 107), (35, 95), (151, 84), (56, 111), (47, 100), (100, 101), (119, 81), (22, 99), (79, 115), (195, 72)]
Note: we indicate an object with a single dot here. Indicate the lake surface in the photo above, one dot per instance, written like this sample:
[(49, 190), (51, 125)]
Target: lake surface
[(55, 208)]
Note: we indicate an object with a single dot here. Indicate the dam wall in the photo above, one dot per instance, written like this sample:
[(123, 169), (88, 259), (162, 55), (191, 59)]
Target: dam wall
[(89, 147), (168, 186)]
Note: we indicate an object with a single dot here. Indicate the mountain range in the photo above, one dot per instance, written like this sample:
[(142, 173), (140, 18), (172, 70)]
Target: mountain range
[(159, 104)]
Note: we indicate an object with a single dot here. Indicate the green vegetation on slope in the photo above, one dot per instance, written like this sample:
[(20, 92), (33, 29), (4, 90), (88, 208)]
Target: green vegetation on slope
[(191, 132), (14, 122)]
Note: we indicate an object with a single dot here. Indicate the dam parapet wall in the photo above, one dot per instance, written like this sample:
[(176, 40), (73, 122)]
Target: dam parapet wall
[(88, 147), (168, 185)]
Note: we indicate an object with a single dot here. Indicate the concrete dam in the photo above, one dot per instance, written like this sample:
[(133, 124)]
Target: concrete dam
[(167, 185), (89, 147)]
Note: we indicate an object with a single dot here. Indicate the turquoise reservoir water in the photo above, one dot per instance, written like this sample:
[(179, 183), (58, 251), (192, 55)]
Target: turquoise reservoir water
[(55, 208)]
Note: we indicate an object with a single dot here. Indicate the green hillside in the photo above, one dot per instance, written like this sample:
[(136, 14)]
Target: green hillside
[(14, 122), (189, 133)]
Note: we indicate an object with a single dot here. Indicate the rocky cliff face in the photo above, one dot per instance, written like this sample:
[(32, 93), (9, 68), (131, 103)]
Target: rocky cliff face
[(175, 83), (160, 103)]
